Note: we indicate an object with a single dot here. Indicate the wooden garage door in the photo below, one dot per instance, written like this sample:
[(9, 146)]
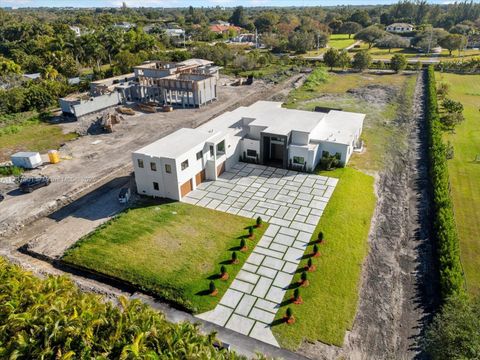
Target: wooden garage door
[(200, 177), (186, 188), (220, 168)]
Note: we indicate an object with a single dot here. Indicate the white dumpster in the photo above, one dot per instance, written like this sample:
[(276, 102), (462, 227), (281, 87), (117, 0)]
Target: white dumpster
[(26, 160)]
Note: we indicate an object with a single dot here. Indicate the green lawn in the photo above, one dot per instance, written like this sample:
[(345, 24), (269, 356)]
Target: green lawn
[(465, 173), (337, 41), (330, 302), (31, 135), (170, 250)]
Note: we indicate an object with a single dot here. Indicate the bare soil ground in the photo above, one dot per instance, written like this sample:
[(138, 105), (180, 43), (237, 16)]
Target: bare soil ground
[(399, 286), (97, 159)]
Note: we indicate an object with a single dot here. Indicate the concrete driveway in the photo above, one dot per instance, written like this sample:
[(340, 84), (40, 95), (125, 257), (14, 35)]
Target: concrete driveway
[(292, 203)]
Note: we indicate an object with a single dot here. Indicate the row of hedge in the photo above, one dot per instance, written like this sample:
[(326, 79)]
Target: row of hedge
[(451, 274)]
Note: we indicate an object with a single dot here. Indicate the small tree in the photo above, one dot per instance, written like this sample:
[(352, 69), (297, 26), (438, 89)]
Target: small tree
[(212, 288), (316, 253), (370, 35), (330, 57), (452, 106), (450, 120), (361, 60), (310, 266), (350, 27), (250, 231), (344, 60), (297, 299), (320, 237), (259, 221), (304, 279), (290, 319), (234, 258), (223, 272), (398, 62), (453, 42), (442, 90), (243, 245)]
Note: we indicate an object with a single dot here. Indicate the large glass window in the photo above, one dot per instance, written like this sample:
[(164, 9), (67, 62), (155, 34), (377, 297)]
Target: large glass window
[(199, 155), (140, 163), (153, 166), (251, 153), (184, 165), (298, 160), (221, 148), (168, 168)]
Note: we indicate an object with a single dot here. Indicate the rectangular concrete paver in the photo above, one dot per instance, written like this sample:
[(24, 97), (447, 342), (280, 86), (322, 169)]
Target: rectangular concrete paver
[(292, 203)]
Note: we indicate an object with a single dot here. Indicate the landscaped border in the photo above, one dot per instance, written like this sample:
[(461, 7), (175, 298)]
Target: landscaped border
[(445, 232)]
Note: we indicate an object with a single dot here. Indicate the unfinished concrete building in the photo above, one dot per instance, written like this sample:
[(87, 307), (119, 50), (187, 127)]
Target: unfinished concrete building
[(191, 83)]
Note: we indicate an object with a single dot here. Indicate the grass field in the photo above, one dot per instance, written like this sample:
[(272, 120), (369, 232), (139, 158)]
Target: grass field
[(337, 41), (465, 173), (170, 250), (31, 135), (330, 302)]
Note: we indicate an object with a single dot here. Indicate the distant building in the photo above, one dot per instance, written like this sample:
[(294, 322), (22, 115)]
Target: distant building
[(264, 133), (190, 83), (400, 27), (224, 29), (76, 30), (220, 22), (175, 33), (124, 25), (244, 38)]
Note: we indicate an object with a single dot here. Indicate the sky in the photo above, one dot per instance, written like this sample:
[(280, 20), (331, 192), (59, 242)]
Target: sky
[(195, 3)]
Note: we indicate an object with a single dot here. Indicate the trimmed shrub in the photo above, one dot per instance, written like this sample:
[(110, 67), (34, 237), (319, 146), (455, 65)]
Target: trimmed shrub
[(445, 232)]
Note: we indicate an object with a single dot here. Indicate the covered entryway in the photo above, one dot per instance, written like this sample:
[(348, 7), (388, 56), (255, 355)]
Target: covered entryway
[(274, 150), (186, 188), (220, 168), (200, 177)]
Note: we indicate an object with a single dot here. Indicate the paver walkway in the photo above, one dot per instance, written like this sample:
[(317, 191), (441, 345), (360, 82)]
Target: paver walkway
[(292, 203)]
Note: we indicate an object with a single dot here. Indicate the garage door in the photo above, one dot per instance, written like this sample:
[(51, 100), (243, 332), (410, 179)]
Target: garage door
[(220, 168), (200, 177), (186, 188)]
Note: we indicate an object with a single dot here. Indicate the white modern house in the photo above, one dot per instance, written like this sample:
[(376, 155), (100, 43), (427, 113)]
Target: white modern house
[(400, 27), (265, 133)]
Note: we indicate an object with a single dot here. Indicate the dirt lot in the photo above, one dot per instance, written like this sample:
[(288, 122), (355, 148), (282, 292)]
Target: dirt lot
[(96, 159)]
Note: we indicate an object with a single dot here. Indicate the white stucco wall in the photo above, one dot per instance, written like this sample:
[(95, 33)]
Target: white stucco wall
[(300, 138)]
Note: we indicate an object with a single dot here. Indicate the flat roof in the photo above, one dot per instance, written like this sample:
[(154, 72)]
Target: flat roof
[(176, 144), (338, 127)]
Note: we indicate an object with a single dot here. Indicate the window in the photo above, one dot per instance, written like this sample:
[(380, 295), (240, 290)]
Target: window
[(211, 150), (155, 186), (140, 163), (221, 148), (298, 160), (168, 168), (338, 155), (251, 153), (184, 165), (153, 166), (199, 155)]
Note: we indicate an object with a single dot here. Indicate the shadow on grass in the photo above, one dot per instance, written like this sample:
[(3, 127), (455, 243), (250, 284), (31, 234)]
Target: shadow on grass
[(307, 256), (293, 285), (214, 277), (277, 322), (235, 248), (285, 303), (203, 292)]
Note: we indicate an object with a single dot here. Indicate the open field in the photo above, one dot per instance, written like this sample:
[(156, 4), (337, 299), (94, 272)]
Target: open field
[(337, 41), (385, 54), (31, 135), (330, 302), (172, 250), (465, 173)]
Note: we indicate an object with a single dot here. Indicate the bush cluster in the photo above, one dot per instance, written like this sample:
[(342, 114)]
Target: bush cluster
[(451, 274), (53, 319)]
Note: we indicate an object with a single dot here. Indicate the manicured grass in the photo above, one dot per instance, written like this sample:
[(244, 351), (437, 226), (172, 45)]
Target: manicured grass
[(381, 53), (330, 301), (170, 250), (31, 135), (337, 41), (465, 173)]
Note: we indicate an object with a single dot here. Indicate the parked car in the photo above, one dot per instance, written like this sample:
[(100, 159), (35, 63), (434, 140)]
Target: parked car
[(124, 195), (1, 197), (30, 184)]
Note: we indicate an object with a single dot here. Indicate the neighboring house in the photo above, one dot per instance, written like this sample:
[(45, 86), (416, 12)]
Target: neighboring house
[(190, 83), (175, 33), (224, 29), (76, 30), (400, 27), (244, 38), (220, 22), (124, 25), (264, 133)]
